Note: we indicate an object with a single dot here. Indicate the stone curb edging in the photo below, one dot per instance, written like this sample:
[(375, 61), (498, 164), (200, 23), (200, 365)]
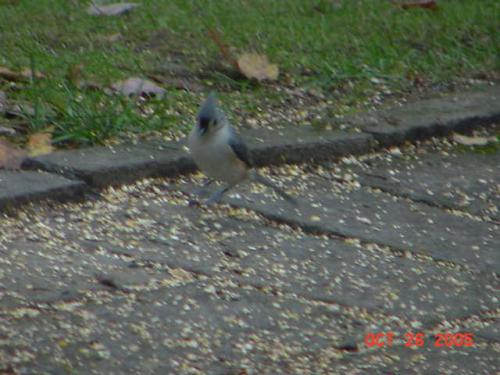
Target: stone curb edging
[(432, 117), (20, 187), (68, 174)]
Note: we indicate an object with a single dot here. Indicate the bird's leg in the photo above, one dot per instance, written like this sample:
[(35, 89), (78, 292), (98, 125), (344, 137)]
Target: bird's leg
[(217, 196), (202, 190)]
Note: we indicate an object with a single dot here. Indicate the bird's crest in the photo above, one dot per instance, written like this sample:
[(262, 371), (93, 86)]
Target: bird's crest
[(209, 110)]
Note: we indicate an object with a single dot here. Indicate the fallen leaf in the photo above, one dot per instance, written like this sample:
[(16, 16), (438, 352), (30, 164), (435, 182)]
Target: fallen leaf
[(473, 141), (256, 66), (138, 86), (40, 143), (20, 109), (425, 4), (251, 65), (23, 109), (10, 157), (7, 131), (24, 75), (111, 9)]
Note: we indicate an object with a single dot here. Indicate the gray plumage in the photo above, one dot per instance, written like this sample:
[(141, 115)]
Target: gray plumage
[(240, 148), (220, 152), (209, 110)]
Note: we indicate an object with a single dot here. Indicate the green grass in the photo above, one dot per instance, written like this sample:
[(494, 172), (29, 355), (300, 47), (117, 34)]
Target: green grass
[(319, 47)]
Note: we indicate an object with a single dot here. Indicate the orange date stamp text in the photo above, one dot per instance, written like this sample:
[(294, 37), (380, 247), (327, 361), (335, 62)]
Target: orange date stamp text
[(418, 340)]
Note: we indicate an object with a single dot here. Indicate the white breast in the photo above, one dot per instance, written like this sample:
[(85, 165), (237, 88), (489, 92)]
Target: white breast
[(213, 155)]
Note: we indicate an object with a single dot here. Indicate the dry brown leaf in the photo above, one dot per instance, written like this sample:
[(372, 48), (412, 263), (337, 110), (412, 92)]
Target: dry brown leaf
[(256, 66), (10, 157), (251, 65), (40, 143), (111, 9), (138, 86), (473, 141)]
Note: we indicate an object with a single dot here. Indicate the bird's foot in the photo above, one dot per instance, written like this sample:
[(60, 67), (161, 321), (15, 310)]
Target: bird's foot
[(202, 191), (216, 197)]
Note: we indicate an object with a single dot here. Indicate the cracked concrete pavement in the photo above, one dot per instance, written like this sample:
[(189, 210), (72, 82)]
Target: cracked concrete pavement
[(141, 280)]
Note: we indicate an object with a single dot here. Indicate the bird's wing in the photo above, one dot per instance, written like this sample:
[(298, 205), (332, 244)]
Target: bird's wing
[(240, 148)]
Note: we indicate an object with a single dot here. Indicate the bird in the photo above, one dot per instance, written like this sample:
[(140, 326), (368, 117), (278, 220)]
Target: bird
[(221, 154)]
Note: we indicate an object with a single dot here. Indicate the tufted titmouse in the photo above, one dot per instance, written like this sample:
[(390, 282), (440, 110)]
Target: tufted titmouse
[(221, 153)]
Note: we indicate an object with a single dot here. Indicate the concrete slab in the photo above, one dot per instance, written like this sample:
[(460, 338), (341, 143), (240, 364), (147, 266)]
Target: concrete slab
[(18, 187), (432, 117), (166, 236), (383, 219), (295, 144), (188, 327), (103, 166), (464, 181)]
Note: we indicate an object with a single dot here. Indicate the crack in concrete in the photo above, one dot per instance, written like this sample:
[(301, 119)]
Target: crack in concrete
[(399, 252), (450, 210)]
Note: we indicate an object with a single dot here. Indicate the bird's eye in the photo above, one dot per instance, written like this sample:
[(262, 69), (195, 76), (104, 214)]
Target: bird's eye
[(204, 122)]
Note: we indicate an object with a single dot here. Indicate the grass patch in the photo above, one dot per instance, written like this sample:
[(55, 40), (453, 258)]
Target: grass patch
[(339, 54)]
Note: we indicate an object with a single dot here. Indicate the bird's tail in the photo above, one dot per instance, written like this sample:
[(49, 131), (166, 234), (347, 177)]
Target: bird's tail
[(264, 181)]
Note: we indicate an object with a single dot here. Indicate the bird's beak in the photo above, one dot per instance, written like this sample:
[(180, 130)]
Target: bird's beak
[(202, 129)]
